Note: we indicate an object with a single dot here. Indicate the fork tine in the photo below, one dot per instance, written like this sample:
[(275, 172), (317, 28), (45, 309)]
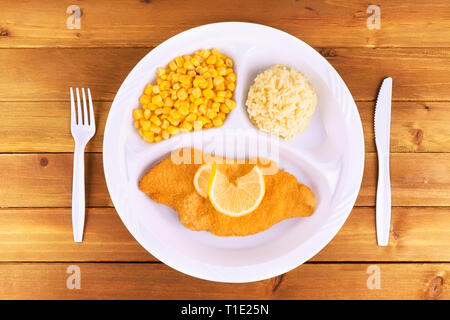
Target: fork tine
[(91, 110), (80, 119), (73, 117), (86, 121)]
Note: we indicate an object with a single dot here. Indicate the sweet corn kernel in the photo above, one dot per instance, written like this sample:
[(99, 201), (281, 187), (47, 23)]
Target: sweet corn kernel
[(215, 106), (155, 128), (148, 139), (231, 77), (161, 71), (146, 125), (211, 113), (230, 104), (211, 59), (164, 85), (157, 100), (165, 124), (191, 117), (208, 93), (205, 53), (198, 125), (197, 93), (228, 94), (179, 61), (187, 125), (222, 116), (157, 138), (152, 107), (175, 114), (172, 65), (222, 70), (148, 90), (182, 94), (217, 122), (219, 99), (224, 108), (138, 114), (168, 102), (218, 80), (165, 134), (193, 108), (173, 121), (202, 108), (203, 119), (184, 109), (147, 114), (159, 111), (172, 130), (155, 120), (144, 99)]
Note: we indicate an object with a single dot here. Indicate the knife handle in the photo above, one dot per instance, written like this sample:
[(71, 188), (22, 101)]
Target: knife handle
[(383, 210)]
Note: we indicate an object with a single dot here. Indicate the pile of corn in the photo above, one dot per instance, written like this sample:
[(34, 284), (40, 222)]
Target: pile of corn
[(192, 92)]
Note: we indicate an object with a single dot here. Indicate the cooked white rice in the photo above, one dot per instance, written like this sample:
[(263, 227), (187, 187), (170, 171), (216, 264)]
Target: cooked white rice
[(281, 101)]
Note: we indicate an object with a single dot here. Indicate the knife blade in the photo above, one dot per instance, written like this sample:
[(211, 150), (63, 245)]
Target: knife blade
[(382, 140)]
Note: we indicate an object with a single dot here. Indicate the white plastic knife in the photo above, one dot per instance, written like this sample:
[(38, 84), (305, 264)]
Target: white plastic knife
[(382, 140)]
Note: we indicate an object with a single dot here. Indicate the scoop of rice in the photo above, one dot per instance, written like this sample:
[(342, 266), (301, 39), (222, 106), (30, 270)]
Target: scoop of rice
[(281, 101)]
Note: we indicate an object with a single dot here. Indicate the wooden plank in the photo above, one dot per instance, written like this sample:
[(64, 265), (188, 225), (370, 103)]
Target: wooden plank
[(46, 74), (157, 281), (25, 127), (148, 23), (29, 235), (417, 234), (46, 235), (44, 126), (416, 180), (45, 180), (415, 126)]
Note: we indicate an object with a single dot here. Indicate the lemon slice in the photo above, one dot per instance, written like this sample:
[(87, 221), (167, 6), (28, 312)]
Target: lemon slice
[(236, 199), (201, 180)]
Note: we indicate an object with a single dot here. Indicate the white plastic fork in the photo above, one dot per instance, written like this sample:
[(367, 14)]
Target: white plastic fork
[(82, 126)]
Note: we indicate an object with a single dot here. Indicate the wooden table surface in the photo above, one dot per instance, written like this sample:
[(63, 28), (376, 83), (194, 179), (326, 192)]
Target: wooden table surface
[(40, 58)]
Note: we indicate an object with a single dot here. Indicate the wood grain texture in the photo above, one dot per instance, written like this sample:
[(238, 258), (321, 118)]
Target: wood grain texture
[(46, 235), (416, 180), (157, 281), (46, 74), (45, 180), (415, 126), (45, 126), (340, 23), (27, 235)]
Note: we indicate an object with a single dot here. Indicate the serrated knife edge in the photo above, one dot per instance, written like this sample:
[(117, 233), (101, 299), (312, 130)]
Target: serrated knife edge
[(382, 122)]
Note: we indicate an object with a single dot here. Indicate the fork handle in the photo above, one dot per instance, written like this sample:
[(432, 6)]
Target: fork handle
[(78, 196), (383, 209)]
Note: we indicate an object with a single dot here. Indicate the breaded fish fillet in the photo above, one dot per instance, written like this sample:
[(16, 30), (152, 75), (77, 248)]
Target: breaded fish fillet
[(172, 184)]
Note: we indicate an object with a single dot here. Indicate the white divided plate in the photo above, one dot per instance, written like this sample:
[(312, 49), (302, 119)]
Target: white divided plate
[(328, 157)]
